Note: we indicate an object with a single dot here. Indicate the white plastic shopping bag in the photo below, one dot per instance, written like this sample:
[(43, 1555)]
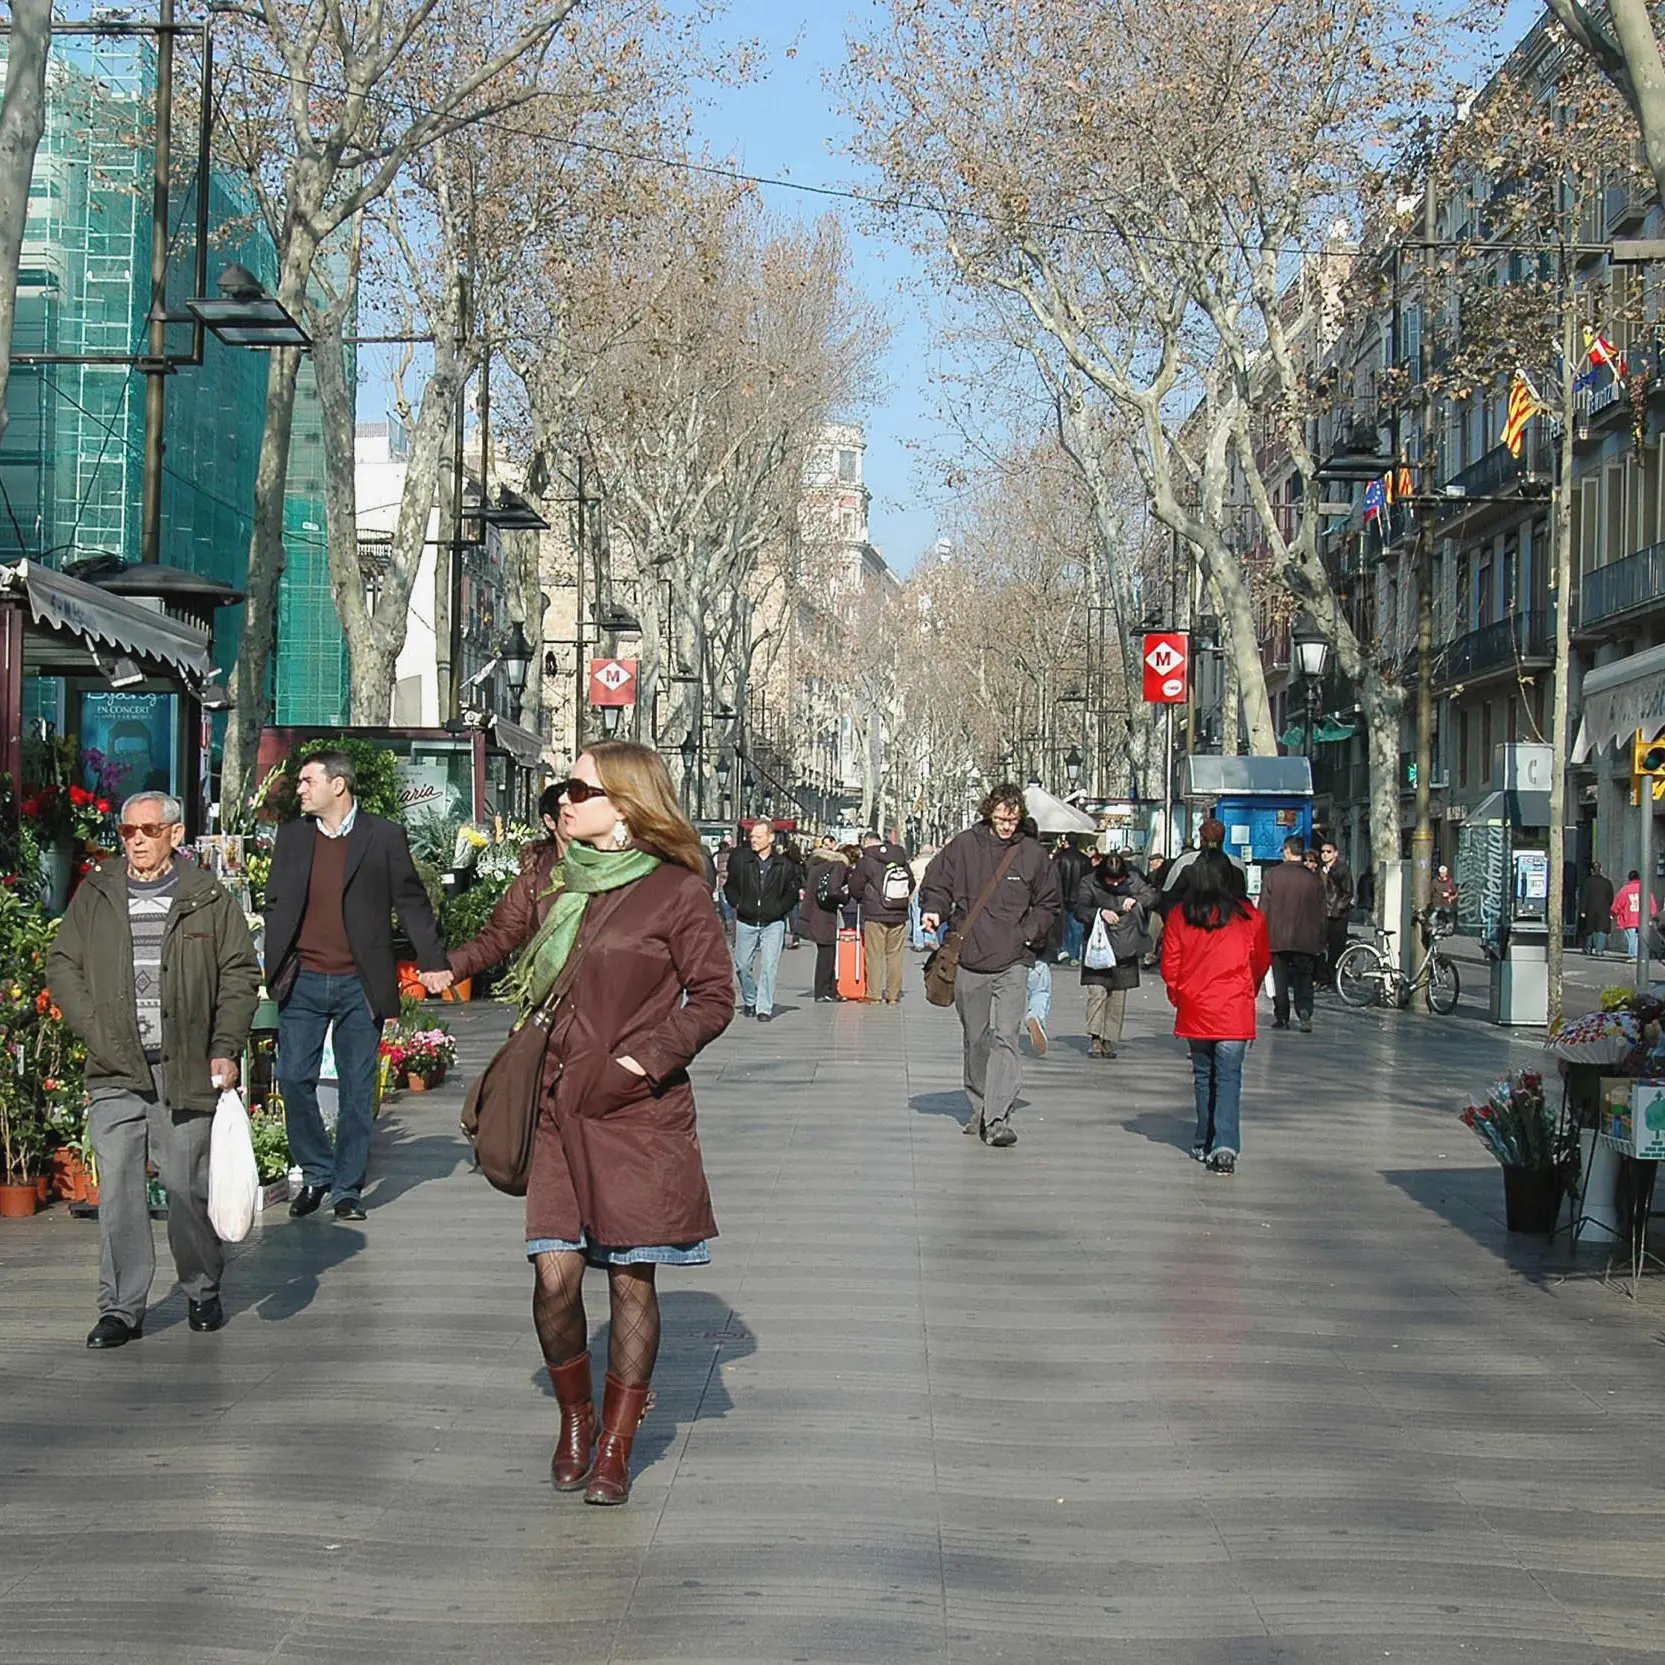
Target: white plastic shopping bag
[(233, 1179), (1100, 956)]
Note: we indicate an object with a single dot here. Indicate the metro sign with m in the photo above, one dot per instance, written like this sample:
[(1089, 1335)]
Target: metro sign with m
[(1167, 659)]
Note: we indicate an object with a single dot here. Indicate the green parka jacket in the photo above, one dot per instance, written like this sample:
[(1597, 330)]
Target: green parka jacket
[(210, 983)]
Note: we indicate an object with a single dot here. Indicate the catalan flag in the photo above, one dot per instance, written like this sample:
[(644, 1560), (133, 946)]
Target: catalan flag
[(1599, 350), (1524, 404)]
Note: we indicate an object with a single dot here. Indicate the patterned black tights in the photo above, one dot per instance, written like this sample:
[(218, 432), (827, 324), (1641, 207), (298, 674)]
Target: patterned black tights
[(633, 1342), (558, 1306), (563, 1331)]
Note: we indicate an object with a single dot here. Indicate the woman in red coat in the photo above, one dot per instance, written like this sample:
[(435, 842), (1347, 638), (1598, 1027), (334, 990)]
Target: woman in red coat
[(616, 1181), (1215, 956)]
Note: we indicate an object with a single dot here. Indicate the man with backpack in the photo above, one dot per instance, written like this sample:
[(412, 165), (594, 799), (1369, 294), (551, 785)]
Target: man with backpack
[(882, 885)]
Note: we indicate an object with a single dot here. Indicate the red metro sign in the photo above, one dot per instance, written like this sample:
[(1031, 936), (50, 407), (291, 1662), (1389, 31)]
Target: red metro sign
[(1167, 666), (612, 682)]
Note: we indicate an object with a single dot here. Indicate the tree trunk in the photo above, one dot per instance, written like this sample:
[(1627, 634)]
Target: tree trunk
[(22, 121), (247, 686), (1383, 702), (1561, 686)]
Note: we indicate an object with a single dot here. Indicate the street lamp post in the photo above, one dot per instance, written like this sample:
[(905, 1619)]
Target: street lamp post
[(516, 656), (1072, 767), (690, 750), (1312, 653), (725, 767)]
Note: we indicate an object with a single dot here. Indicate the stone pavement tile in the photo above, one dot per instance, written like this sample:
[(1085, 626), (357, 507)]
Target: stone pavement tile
[(752, 1625)]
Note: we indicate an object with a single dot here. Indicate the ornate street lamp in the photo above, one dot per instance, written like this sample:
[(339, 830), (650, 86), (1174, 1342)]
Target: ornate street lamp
[(516, 659), (1072, 767)]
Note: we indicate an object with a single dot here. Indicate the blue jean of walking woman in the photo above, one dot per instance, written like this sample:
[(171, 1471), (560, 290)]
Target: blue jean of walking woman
[(1217, 1076)]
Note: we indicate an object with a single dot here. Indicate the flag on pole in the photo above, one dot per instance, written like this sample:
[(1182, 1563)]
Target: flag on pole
[(1599, 350), (1524, 404), (1375, 500)]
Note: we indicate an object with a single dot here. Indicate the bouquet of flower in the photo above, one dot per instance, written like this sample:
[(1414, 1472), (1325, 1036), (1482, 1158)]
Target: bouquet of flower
[(92, 817), (427, 1052), (1604, 1038), (1514, 1122)]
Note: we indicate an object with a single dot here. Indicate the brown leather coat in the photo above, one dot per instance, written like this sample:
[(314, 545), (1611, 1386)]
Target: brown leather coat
[(616, 1154)]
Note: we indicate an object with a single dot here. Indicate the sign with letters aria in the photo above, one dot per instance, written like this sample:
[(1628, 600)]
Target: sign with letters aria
[(612, 682), (1167, 666)]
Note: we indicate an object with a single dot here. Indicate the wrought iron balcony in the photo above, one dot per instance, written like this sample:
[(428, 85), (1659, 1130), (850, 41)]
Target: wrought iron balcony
[(1525, 638), (1624, 586), (1499, 473)]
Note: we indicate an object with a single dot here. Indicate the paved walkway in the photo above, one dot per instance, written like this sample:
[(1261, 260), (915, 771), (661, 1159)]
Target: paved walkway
[(1073, 1402)]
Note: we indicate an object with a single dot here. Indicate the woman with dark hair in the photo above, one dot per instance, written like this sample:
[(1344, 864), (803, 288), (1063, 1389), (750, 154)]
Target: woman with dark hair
[(1113, 892), (826, 890), (1215, 956), (617, 1181)]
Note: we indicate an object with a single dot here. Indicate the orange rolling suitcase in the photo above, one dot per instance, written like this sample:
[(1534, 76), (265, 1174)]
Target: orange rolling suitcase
[(852, 966)]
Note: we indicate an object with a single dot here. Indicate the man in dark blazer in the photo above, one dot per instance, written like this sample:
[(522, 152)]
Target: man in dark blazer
[(338, 876)]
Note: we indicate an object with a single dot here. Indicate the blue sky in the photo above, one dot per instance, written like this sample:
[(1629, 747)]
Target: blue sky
[(784, 124)]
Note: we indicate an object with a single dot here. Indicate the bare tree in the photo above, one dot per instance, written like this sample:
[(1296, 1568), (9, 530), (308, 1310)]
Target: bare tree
[(1622, 39), (22, 121), (326, 106)]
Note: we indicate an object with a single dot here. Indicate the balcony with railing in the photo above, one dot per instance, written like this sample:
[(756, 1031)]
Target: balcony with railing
[(1625, 586), (1499, 473), (1526, 639)]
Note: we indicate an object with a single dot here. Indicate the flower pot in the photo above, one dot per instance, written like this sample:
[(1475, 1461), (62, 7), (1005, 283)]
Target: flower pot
[(1531, 1197), (43, 1189), (416, 1083), (71, 1177), (57, 866), (18, 1200), (462, 989)]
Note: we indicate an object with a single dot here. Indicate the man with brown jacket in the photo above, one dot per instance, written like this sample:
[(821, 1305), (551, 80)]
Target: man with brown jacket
[(882, 886), (1292, 900), (994, 860), (153, 967)]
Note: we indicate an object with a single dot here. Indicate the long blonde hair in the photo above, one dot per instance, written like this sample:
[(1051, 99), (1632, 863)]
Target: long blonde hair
[(640, 787)]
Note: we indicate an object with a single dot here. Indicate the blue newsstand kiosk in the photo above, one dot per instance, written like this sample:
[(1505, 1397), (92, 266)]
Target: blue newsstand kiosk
[(1261, 800)]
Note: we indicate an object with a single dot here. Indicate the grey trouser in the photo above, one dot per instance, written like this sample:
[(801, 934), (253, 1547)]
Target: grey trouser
[(126, 1131), (1106, 1008), (991, 1005)]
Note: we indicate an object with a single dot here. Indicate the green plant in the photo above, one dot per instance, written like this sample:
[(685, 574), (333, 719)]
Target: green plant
[(464, 917), (374, 767), (271, 1141), (42, 1088)]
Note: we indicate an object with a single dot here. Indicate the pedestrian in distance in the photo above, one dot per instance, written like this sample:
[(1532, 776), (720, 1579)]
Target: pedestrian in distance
[(1338, 906), (1072, 867), (993, 860), (764, 888), (1211, 835), (339, 874), (1037, 1007), (826, 890), (1117, 896), (725, 848), (882, 886), (617, 1180), (1443, 892), (916, 931), (1595, 910), (1292, 901), (1215, 956), (1627, 911), (1156, 876), (153, 967)]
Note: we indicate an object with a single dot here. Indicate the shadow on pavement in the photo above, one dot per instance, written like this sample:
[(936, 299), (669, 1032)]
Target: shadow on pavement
[(1174, 1128), (941, 1104), (292, 1264), (699, 1332), (1471, 1199)]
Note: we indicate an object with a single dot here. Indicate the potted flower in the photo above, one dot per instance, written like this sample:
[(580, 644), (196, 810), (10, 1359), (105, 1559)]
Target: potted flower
[(427, 1053), (1514, 1122)]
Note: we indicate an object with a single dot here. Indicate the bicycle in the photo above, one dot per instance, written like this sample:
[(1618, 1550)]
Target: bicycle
[(1369, 973)]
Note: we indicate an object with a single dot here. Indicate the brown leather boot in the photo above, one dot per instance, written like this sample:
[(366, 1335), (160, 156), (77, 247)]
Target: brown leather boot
[(623, 1409), (574, 1458)]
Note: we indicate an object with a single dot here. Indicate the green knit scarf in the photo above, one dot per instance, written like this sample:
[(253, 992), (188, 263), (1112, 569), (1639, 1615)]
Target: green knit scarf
[(583, 873)]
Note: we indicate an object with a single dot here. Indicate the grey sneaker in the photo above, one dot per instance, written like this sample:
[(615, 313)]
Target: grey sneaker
[(1198, 1154), (1306, 1026), (1000, 1134), (1222, 1161), (974, 1127), (1037, 1036)]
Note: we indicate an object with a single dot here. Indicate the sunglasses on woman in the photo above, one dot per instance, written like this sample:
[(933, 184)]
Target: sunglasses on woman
[(579, 791)]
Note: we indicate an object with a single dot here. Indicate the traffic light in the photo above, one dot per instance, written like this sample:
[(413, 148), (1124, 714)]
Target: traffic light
[(1648, 757)]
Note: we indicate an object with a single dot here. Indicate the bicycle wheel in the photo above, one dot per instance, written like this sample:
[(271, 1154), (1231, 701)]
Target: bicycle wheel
[(1358, 976), (1441, 993)]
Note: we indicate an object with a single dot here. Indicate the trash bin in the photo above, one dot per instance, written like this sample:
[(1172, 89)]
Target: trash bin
[(1520, 979)]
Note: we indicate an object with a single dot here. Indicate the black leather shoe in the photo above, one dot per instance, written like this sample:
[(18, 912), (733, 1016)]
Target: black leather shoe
[(307, 1200), (205, 1315), (111, 1331), (349, 1208)]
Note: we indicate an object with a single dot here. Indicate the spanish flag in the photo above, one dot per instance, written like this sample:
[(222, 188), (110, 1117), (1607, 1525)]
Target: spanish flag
[(1524, 404)]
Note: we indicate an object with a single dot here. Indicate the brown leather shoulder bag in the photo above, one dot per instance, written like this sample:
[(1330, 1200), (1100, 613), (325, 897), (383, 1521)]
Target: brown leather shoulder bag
[(944, 965)]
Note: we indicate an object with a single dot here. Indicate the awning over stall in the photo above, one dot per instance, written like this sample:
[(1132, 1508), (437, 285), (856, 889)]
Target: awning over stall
[(1209, 776), (91, 618), (520, 743), (1620, 698)]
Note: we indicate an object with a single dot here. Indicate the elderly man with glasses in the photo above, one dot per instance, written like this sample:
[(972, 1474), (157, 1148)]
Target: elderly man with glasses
[(154, 968)]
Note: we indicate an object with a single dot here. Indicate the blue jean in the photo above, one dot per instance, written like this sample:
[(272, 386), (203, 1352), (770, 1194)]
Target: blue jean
[(1217, 1076), (1075, 937), (1630, 932), (315, 1002), (1596, 943), (762, 943), (1040, 993)]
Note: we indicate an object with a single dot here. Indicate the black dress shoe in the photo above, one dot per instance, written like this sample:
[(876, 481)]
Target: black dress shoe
[(307, 1200), (205, 1315), (111, 1331), (349, 1208)]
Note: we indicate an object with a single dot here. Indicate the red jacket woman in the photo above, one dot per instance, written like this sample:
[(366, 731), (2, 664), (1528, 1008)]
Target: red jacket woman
[(1215, 955)]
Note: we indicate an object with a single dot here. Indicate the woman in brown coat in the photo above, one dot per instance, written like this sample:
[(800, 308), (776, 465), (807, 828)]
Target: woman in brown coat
[(617, 1181)]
